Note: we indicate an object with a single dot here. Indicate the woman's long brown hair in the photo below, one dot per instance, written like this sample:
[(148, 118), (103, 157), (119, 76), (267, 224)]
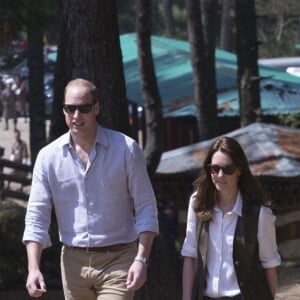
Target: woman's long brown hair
[(250, 189)]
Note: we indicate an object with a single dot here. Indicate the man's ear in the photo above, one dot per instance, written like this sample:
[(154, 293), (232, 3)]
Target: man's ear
[(97, 108)]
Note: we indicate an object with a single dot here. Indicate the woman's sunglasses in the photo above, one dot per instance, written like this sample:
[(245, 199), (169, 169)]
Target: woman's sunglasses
[(84, 108), (227, 169)]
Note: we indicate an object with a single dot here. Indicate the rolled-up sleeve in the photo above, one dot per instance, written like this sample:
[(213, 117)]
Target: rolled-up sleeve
[(268, 251), (141, 192), (38, 215), (189, 247)]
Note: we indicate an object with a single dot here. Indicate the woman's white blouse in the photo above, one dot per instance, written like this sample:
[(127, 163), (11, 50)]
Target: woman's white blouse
[(221, 278)]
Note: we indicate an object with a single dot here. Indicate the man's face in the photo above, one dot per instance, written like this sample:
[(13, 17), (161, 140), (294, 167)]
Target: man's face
[(78, 98)]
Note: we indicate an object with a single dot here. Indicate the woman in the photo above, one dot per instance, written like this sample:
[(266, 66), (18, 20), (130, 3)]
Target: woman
[(231, 228)]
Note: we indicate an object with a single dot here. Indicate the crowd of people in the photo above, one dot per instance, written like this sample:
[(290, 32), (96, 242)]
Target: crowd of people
[(13, 100)]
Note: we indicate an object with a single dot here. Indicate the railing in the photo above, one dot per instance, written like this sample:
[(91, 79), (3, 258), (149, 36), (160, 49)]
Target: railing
[(12, 174)]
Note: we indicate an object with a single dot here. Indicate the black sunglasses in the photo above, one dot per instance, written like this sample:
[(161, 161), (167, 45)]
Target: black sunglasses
[(227, 169), (84, 108)]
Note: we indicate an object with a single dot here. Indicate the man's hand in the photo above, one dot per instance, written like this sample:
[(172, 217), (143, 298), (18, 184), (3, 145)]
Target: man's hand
[(35, 284), (137, 276)]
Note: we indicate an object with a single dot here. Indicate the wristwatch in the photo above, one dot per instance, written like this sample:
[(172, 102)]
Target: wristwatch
[(143, 260)]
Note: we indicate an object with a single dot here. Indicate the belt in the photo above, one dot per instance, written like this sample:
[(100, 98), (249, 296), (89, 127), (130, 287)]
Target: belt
[(236, 297), (112, 248)]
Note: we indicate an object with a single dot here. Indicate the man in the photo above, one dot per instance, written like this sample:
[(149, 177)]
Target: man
[(96, 180)]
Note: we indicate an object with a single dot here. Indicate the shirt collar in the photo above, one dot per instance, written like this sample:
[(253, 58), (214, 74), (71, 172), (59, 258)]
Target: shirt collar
[(237, 206), (101, 138)]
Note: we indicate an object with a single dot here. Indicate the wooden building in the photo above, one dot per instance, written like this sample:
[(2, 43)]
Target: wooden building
[(273, 153)]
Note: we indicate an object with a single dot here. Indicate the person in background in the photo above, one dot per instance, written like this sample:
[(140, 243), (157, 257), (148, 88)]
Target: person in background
[(8, 100), (19, 154), (97, 182), (230, 249), (19, 149), (20, 90), (2, 87)]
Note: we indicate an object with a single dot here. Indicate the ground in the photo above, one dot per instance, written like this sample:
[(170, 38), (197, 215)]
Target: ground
[(288, 275)]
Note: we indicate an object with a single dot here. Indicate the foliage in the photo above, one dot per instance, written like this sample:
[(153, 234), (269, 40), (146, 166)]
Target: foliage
[(12, 253), (16, 13), (127, 22), (125, 16), (291, 120), (13, 262), (278, 27), (180, 25)]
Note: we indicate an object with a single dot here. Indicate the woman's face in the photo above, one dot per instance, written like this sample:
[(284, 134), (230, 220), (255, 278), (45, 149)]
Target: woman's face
[(224, 182)]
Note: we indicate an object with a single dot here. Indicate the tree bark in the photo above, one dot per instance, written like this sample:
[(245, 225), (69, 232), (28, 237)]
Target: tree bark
[(202, 41), (164, 273), (169, 18), (226, 36), (150, 91), (90, 48), (164, 279), (36, 75), (247, 55)]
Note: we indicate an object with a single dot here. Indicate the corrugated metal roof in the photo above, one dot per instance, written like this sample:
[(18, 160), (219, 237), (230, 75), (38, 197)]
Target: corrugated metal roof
[(175, 79), (271, 150), (281, 63), (276, 97)]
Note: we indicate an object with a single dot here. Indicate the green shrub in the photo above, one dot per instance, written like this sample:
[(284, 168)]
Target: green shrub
[(12, 252), (13, 260), (291, 120)]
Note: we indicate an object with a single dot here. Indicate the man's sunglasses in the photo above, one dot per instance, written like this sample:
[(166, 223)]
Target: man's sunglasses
[(84, 108), (227, 169)]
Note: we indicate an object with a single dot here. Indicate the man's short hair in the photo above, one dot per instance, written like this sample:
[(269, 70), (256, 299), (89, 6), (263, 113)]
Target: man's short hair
[(86, 83)]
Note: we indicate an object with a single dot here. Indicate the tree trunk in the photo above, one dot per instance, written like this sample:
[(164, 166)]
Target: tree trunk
[(61, 77), (247, 55), (202, 40), (226, 36), (169, 19), (90, 48), (208, 17), (164, 275), (150, 92), (36, 75)]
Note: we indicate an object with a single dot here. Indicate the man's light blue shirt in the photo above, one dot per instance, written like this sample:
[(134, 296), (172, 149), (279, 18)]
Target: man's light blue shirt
[(109, 202)]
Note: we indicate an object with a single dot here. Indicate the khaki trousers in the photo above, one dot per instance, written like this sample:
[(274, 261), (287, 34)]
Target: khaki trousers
[(97, 275)]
